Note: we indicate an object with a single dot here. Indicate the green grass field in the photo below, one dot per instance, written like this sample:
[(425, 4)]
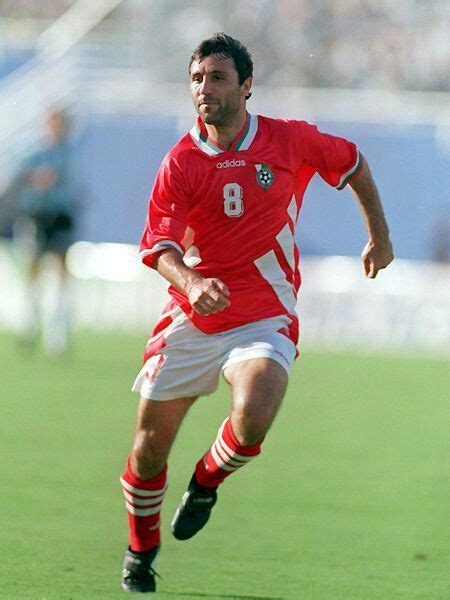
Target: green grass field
[(349, 500)]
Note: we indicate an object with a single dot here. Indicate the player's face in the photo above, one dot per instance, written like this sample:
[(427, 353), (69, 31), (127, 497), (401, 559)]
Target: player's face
[(215, 89), (55, 126)]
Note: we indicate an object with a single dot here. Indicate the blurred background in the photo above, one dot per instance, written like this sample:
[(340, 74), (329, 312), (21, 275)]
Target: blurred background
[(376, 72), (92, 95)]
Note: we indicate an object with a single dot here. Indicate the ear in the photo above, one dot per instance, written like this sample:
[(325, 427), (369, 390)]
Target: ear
[(247, 86)]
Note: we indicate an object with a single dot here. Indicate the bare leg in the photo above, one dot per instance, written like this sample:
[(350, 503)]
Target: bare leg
[(144, 481), (156, 428), (258, 387), (55, 326), (30, 322), (34, 270)]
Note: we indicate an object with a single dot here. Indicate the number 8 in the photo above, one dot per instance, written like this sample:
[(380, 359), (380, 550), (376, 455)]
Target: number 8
[(233, 204)]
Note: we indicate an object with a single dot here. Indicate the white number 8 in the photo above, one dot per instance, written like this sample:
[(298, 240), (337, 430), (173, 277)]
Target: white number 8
[(233, 204)]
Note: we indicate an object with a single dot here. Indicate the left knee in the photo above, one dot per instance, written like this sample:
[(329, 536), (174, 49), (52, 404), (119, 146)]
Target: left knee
[(258, 390), (250, 429)]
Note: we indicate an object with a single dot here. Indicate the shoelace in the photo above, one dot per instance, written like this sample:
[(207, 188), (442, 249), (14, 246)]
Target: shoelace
[(134, 575), (153, 572)]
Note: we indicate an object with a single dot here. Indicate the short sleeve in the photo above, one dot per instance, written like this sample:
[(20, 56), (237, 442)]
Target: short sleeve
[(167, 212), (336, 159)]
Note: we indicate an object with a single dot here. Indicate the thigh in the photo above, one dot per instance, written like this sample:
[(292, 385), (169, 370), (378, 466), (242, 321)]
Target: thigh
[(162, 419), (258, 387), (180, 361)]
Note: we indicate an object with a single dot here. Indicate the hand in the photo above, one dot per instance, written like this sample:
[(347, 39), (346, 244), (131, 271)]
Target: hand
[(376, 256), (43, 178), (208, 296)]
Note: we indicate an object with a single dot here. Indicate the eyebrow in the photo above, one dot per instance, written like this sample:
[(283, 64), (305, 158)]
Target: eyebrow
[(215, 72)]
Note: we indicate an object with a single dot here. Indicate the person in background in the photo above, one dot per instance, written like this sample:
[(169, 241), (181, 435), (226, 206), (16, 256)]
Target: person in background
[(43, 200), (440, 242)]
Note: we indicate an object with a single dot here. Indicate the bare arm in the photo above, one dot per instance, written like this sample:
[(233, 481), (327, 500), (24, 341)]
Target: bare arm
[(377, 253), (206, 296)]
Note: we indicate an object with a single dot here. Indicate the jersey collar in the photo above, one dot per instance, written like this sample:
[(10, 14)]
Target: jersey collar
[(242, 141)]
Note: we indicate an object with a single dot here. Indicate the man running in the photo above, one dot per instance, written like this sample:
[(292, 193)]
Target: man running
[(221, 230)]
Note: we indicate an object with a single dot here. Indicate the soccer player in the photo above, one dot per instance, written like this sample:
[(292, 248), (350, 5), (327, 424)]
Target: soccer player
[(221, 230), (43, 199)]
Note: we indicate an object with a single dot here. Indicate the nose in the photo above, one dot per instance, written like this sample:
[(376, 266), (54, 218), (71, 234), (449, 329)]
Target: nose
[(205, 86)]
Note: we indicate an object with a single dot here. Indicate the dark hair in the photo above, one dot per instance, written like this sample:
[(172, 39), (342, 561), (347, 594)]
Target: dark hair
[(226, 47)]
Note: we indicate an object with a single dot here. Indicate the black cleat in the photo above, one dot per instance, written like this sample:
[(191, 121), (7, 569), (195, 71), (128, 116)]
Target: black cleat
[(193, 511), (138, 572)]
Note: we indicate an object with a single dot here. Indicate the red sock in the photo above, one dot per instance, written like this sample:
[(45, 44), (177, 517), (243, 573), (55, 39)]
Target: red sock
[(143, 500), (224, 457)]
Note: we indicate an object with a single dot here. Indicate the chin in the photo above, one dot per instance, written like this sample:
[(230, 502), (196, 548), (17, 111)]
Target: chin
[(209, 119), (212, 119)]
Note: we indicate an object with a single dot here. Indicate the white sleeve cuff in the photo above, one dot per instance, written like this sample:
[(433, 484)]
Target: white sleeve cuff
[(346, 176), (160, 246)]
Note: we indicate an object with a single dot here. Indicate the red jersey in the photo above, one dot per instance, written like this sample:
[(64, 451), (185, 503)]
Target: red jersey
[(233, 213)]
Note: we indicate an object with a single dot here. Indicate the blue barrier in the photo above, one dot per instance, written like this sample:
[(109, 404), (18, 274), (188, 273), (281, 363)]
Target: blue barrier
[(118, 159)]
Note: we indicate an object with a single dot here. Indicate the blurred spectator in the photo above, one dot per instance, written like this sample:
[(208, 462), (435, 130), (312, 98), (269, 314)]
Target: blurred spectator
[(42, 199), (44, 9), (441, 241), (378, 44), (390, 44)]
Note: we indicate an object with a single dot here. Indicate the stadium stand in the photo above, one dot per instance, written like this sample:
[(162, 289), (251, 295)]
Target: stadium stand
[(333, 43)]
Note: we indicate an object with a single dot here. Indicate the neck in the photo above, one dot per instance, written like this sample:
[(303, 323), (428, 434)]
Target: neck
[(226, 133)]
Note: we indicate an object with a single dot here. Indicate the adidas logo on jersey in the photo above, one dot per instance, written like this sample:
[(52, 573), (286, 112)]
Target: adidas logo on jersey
[(231, 163)]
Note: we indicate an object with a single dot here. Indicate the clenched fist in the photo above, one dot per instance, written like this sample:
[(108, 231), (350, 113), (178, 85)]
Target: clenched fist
[(208, 296), (376, 256)]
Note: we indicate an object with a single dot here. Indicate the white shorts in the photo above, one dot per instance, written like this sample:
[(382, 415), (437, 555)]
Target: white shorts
[(189, 362)]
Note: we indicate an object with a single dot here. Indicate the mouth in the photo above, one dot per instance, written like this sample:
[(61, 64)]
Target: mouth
[(208, 103)]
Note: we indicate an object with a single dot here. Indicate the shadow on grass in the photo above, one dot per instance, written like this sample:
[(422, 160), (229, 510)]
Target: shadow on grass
[(227, 596)]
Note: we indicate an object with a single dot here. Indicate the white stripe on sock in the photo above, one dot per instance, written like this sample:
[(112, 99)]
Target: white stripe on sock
[(140, 492), (219, 462), (229, 451), (147, 502), (224, 456), (142, 512)]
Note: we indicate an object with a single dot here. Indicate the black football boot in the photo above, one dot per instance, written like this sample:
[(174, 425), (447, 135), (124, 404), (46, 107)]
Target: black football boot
[(138, 572), (193, 511)]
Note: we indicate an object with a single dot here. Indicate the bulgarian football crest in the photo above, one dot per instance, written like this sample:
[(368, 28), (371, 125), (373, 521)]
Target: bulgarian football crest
[(264, 176)]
